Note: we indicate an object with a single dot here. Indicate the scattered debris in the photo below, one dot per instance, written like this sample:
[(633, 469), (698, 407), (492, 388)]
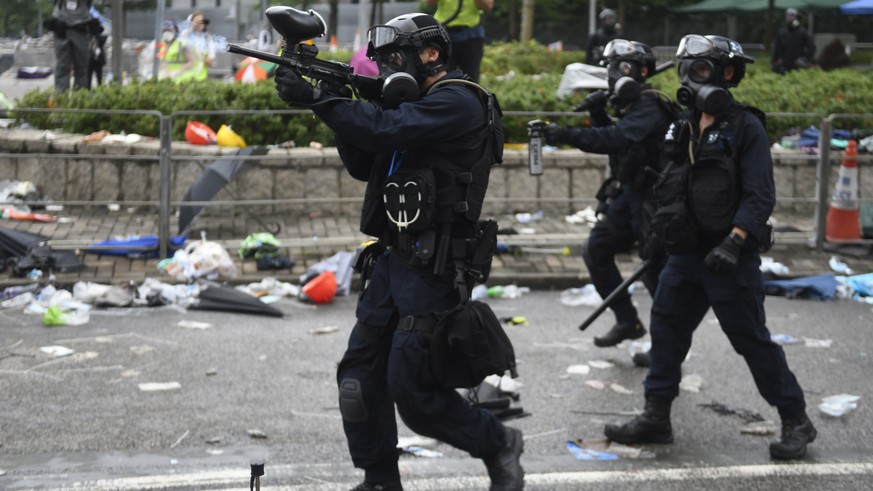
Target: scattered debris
[(839, 267), (596, 384), (839, 405), (179, 440), (213, 441), (323, 330), (584, 453), (57, 351), (600, 364), (784, 339), (620, 389), (579, 369), (420, 452), (759, 428), (189, 324), (211, 372), (159, 386), (691, 382), (255, 433), (817, 343)]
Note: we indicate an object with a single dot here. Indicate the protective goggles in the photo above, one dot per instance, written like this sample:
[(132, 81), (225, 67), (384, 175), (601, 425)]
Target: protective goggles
[(622, 48), (700, 70), (695, 45), (381, 36)]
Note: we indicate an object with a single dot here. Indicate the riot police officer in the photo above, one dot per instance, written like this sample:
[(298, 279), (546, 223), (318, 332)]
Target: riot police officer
[(431, 137), (634, 147), (727, 194), (609, 29)]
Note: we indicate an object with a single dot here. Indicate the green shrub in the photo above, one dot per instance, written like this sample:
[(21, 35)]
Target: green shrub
[(524, 76)]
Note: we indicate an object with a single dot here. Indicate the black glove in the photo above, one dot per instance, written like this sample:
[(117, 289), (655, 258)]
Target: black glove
[(595, 101), (334, 90), (723, 259), (553, 134), (294, 90)]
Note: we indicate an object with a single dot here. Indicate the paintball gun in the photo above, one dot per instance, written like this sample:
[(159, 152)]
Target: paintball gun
[(535, 146), (296, 26)]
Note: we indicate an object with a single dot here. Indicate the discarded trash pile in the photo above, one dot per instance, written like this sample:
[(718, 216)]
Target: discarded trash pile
[(58, 306)]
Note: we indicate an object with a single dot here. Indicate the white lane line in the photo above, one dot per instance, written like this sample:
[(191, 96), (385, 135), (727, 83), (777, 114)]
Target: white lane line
[(222, 478)]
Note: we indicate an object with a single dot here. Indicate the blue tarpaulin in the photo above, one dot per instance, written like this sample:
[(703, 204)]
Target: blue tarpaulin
[(819, 287)]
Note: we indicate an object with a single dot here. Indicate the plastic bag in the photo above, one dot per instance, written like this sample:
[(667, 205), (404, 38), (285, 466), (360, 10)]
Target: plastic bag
[(200, 259)]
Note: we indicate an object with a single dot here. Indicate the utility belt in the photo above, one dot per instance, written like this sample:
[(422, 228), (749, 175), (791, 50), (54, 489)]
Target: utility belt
[(469, 249)]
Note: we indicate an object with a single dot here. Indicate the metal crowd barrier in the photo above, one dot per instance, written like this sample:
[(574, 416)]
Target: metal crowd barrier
[(166, 159)]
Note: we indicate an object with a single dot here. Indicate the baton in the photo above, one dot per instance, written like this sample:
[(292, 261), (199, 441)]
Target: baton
[(615, 293)]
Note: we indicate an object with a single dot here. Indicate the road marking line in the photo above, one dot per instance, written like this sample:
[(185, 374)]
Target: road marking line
[(229, 477)]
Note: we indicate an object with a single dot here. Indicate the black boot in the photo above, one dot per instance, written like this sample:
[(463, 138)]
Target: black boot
[(504, 469), (653, 426), (620, 332), (796, 434), (641, 359)]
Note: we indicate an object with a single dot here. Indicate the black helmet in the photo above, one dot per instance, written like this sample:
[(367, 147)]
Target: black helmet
[(409, 30), (720, 50), (622, 49)]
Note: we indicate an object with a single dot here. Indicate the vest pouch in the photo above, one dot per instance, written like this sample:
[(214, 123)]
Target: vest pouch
[(409, 198), (672, 222), (674, 227), (713, 195), (469, 344)]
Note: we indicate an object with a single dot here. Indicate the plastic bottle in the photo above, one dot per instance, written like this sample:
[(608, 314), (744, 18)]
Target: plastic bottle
[(495, 292), (586, 295), (21, 300), (14, 291)]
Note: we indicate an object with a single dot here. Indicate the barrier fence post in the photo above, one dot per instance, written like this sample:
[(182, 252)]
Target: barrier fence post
[(822, 177), (164, 207)]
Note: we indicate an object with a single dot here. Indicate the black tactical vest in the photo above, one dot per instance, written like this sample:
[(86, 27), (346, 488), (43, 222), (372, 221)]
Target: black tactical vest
[(459, 170)]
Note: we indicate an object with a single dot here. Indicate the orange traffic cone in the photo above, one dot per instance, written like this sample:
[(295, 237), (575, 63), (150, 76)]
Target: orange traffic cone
[(844, 220), (333, 44)]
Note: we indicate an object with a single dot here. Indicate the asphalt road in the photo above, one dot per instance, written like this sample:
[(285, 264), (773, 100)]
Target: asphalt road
[(84, 421)]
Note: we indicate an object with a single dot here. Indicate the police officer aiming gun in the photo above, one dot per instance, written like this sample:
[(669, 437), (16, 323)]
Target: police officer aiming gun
[(634, 146), (714, 198), (425, 152)]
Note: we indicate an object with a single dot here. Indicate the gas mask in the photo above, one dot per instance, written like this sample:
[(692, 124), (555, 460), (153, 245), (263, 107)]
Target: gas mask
[(623, 77), (402, 80), (701, 81), (168, 36)]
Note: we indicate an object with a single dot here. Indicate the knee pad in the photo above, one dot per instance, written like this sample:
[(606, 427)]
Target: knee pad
[(351, 401)]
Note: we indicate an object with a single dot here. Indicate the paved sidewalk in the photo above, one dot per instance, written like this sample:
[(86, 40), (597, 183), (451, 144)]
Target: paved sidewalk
[(307, 240)]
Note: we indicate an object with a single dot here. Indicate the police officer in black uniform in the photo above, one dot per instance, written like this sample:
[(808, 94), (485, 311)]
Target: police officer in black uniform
[(730, 193), (634, 146), (609, 29), (420, 131)]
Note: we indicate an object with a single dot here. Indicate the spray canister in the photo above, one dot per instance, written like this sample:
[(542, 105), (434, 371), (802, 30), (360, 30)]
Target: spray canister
[(535, 146)]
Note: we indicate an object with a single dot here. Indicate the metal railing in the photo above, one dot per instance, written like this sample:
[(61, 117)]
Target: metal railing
[(166, 158)]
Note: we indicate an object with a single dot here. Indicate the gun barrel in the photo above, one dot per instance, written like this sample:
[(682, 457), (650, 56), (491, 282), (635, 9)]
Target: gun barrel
[(261, 55)]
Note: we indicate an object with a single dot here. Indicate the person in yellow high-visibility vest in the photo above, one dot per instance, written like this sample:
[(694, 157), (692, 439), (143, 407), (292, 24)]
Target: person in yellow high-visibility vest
[(463, 20), (177, 61)]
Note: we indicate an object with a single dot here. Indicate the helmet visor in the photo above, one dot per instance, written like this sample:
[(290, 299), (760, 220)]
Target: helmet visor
[(695, 45), (622, 48), (380, 36)]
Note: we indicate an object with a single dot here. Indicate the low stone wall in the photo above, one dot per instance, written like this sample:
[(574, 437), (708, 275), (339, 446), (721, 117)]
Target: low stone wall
[(313, 180)]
